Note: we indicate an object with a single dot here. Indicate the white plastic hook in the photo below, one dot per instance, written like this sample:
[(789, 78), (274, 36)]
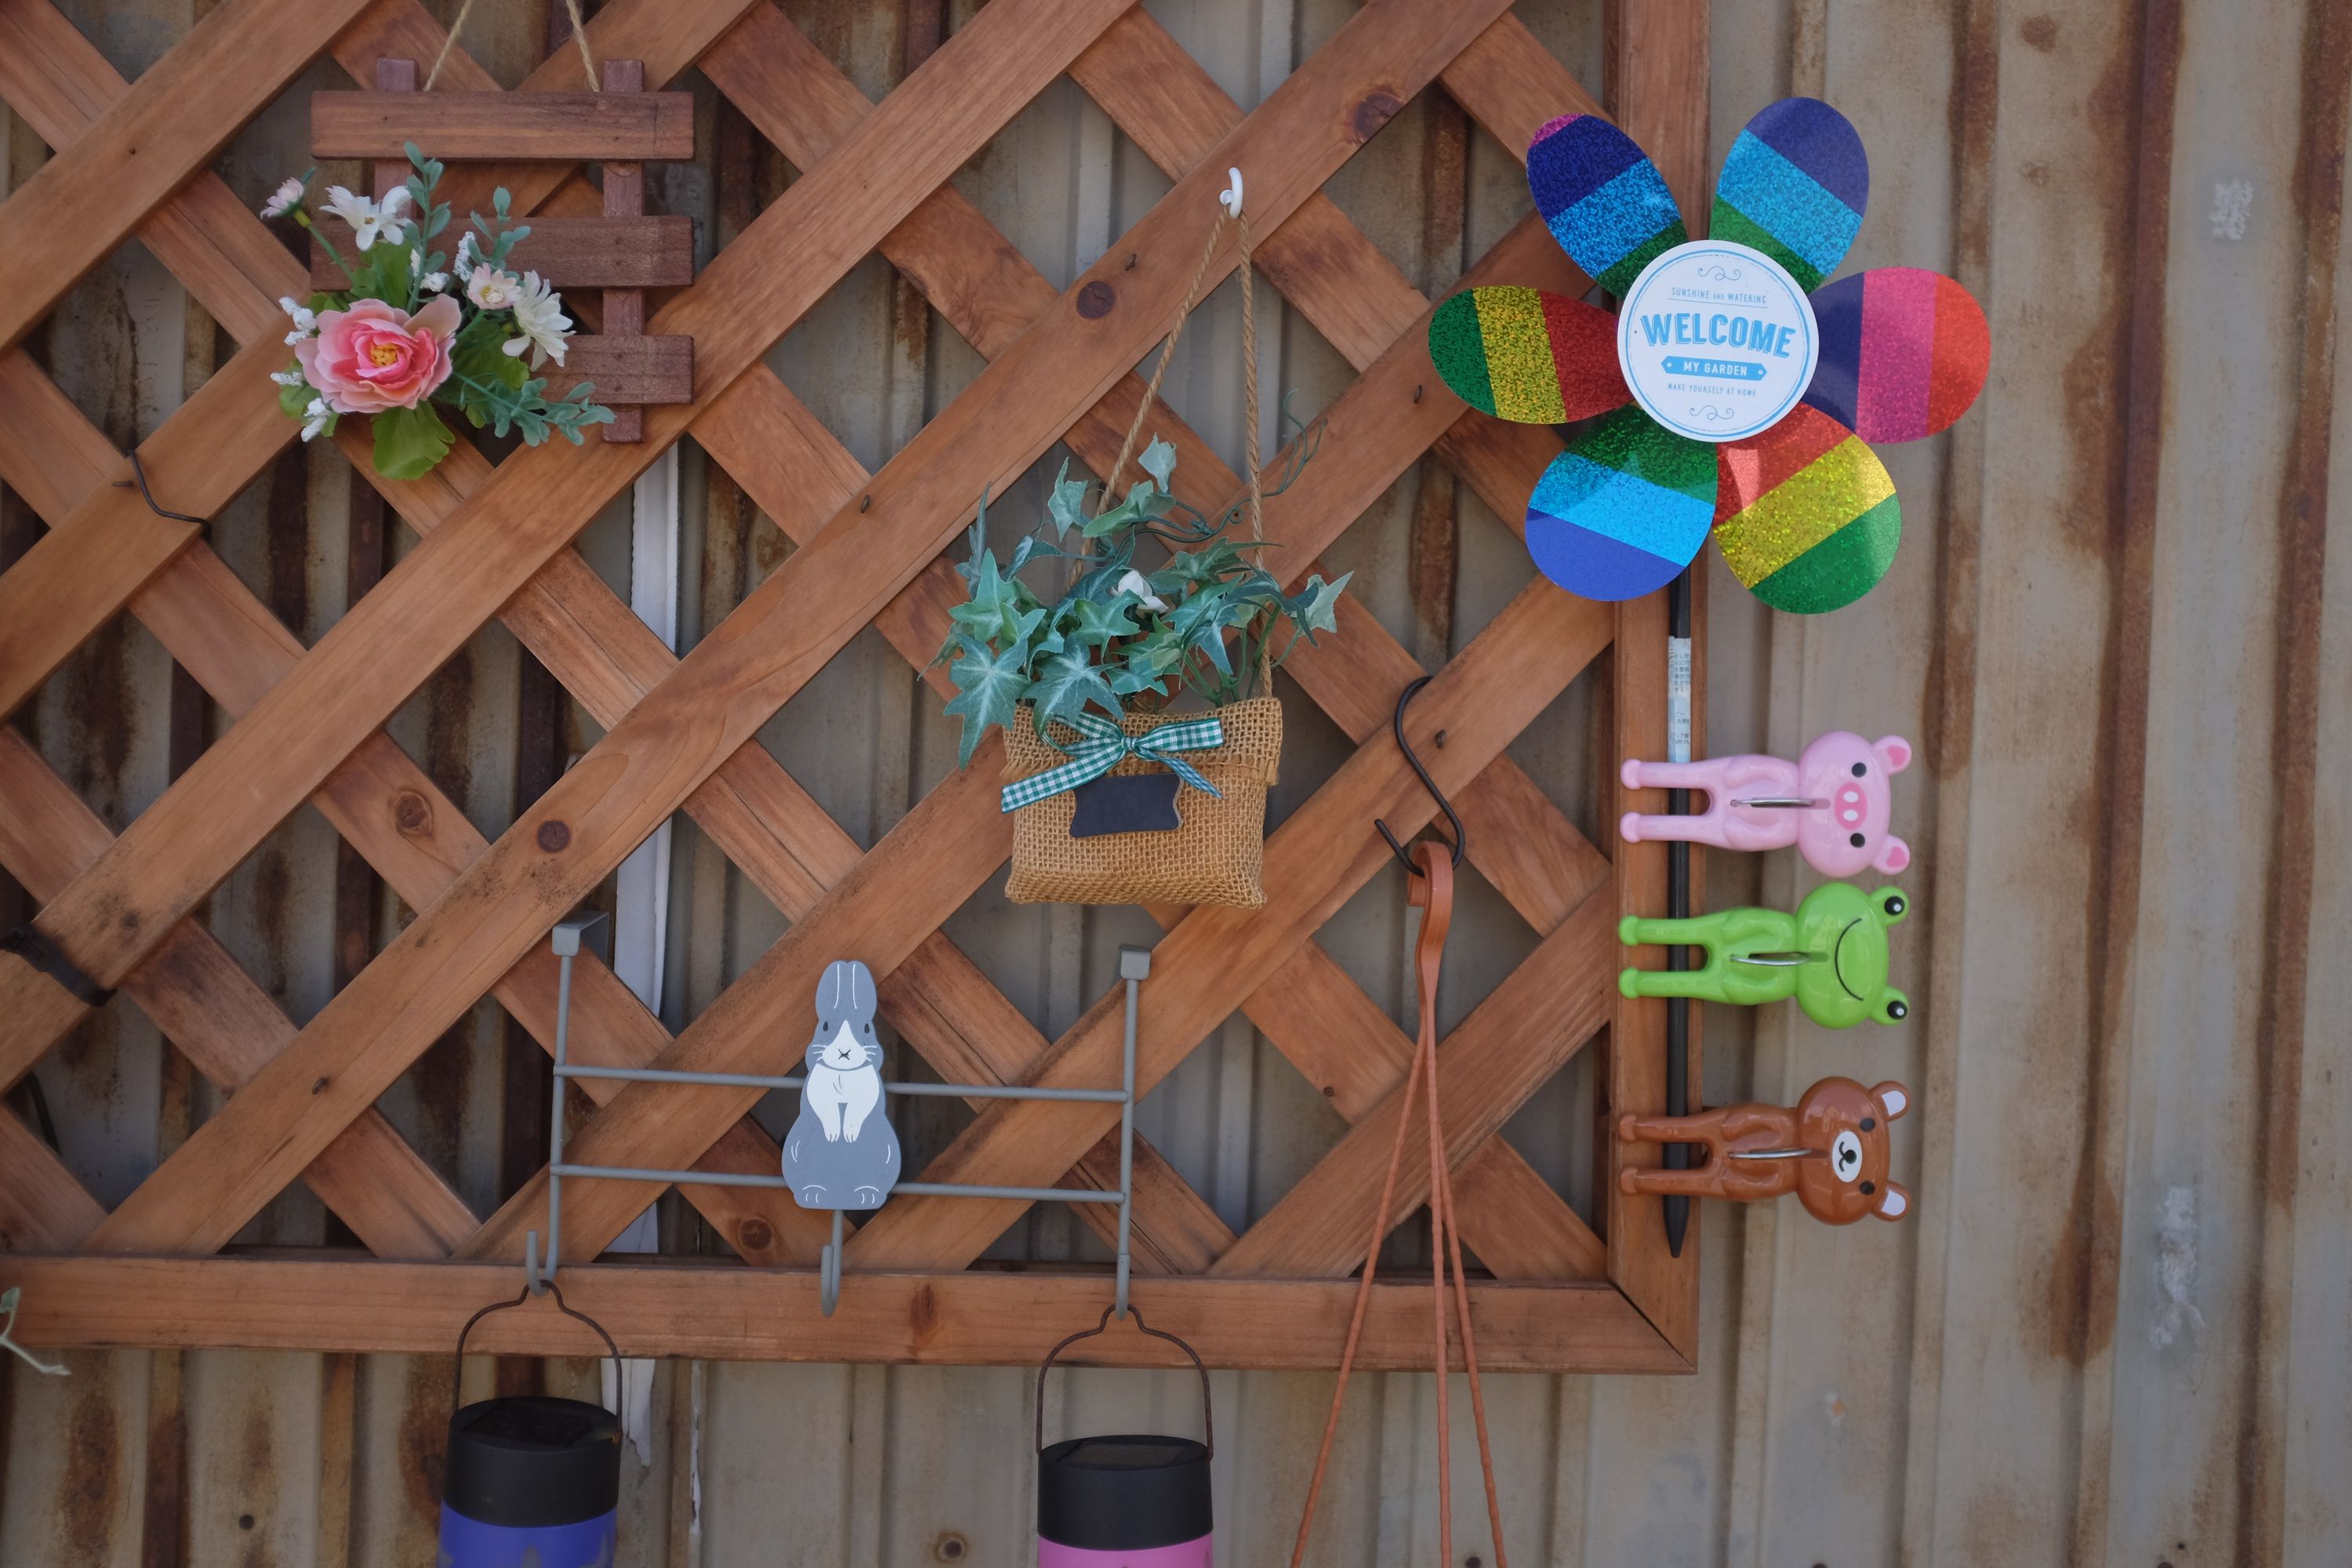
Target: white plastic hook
[(1231, 198)]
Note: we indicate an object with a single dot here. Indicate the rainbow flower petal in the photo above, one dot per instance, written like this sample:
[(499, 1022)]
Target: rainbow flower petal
[(1805, 514), (1604, 200), (1794, 186), (1527, 355)]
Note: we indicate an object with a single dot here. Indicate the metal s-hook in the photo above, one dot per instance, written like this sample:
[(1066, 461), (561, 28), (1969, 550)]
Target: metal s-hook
[(1461, 834), (149, 496)]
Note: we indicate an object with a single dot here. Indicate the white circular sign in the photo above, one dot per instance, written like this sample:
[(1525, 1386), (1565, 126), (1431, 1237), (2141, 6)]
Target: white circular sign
[(1716, 341)]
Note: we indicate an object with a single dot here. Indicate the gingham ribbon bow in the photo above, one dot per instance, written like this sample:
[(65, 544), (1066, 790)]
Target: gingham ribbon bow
[(1103, 746)]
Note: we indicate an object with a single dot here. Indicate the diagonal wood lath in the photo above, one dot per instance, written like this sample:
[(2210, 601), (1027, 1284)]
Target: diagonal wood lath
[(679, 730), (736, 678), (200, 611)]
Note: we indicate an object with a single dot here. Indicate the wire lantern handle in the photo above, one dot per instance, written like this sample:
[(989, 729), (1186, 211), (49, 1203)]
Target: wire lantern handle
[(458, 1374), (1208, 1420)]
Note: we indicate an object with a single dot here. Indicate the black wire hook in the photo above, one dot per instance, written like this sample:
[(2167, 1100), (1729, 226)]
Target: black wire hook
[(1461, 834), (149, 496)]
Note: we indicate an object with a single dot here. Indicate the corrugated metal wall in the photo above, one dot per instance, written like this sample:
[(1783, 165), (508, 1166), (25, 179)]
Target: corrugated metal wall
[(2113, 1329)]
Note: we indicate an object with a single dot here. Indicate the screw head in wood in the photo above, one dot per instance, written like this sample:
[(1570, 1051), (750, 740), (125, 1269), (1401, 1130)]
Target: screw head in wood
[(1096, 299), (555, 836)]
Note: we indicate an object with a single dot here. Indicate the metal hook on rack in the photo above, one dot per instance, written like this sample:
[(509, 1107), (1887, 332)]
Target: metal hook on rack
[(1461, 834)]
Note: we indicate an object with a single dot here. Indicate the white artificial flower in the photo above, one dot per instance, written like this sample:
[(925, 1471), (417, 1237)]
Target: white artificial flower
[(415, 259), (467, 259), (287, 377), (305, 322), (539, 311), (284, 199), (1135, 583), (434, 282), (315, 417), (493, 290), (369, 221)]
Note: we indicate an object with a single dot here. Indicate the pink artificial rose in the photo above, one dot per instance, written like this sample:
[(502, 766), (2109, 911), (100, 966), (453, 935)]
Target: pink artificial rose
[(375, 357)]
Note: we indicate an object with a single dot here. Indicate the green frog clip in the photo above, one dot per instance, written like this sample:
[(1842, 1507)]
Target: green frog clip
[(1831, 955)]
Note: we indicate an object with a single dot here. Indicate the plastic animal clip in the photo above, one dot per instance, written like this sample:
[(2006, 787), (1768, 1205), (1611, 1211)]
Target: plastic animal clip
[(841, 1153), (1832, 803), (1831, 955), (1831, 1151)]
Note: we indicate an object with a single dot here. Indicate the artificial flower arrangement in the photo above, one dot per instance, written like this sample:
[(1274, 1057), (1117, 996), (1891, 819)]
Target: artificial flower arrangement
[(399, 340), (1078, 685)]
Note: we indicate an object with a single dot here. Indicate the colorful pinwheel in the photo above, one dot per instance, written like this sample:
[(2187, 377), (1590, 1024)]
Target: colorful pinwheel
[(1731, 394)]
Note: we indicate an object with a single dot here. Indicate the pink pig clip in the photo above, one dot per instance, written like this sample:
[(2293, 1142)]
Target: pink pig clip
[(1833, 802)]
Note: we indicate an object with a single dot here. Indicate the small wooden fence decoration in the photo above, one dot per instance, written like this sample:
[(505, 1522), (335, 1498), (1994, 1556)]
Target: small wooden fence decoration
[(116, 912), (621, 250)]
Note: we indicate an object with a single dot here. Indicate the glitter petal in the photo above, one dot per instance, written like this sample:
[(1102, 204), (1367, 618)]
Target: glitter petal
[(1619, 513), (1527, 355), (1794, 186), (1806, 514), (1904, 352), (1604, 200)]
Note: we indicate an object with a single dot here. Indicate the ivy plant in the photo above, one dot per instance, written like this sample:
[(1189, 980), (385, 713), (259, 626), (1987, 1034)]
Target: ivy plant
[(1120, 636)]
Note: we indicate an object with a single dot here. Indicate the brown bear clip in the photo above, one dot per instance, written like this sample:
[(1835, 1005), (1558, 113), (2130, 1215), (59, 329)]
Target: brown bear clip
[(1831, 1151)]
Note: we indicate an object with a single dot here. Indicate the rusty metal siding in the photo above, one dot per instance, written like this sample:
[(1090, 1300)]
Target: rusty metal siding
[(2112, 1327)]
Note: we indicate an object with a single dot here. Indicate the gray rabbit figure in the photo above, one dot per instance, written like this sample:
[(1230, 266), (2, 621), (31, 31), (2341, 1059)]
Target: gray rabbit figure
[(841, 1153)]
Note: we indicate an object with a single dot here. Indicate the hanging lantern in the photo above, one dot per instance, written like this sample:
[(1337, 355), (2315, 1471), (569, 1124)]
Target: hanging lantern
[(1128, 1500), (531, 1482)]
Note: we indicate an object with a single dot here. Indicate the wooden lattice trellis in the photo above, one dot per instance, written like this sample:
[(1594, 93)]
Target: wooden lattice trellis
[(131, 160)]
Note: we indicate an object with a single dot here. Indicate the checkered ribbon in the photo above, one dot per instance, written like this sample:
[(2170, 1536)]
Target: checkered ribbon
[(1103, 746)]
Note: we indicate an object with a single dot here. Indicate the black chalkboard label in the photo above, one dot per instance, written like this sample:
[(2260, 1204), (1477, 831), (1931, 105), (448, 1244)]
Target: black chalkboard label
[(1138, 803)]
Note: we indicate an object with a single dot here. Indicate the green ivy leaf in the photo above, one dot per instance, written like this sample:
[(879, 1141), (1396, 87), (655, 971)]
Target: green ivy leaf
[(1158, 461), (1097, 625), (989, 687), (292, 401), (1066, 685), (409, 442), (1316, 608), (1065, 503)]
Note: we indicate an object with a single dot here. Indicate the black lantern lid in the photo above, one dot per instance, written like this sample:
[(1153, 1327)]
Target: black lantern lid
[(1124, 1493), (529, 1461)]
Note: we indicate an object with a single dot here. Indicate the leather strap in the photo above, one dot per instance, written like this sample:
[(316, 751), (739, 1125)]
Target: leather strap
[(1433, 892)]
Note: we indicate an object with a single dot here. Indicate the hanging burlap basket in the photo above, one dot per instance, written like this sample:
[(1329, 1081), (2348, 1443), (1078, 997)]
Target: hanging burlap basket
[(1212, 857)]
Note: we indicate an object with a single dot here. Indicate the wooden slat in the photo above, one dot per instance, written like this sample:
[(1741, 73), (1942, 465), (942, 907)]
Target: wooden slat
[(42, 1207), (736, 1313), (42, 1009), (1662, 52), (209, 1006), (627, 370), (567, 252), (89, 197), (625, 309), (442, 591), (564, 127)]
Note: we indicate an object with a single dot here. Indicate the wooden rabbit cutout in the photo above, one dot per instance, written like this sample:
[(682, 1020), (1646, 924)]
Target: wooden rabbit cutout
[(841, 1153)]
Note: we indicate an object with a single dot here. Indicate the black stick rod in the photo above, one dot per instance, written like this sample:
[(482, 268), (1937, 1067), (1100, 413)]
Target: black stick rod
[(1678, 749)]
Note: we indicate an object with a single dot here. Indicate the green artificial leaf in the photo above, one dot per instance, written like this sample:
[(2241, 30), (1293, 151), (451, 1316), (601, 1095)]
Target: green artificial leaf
[(1065, 503), (1065, 684), (294, 400), (1316, 607), (1126, 514), (995, 605), (989, 687), (1097, 625), (1158, 461), (409, 441), (1145, 666)]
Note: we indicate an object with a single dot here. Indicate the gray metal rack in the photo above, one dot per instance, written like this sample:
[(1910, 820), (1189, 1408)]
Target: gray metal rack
[(1134, 966)]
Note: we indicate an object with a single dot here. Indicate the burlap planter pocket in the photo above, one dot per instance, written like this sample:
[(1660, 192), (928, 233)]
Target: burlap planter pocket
[(1212, 857)]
